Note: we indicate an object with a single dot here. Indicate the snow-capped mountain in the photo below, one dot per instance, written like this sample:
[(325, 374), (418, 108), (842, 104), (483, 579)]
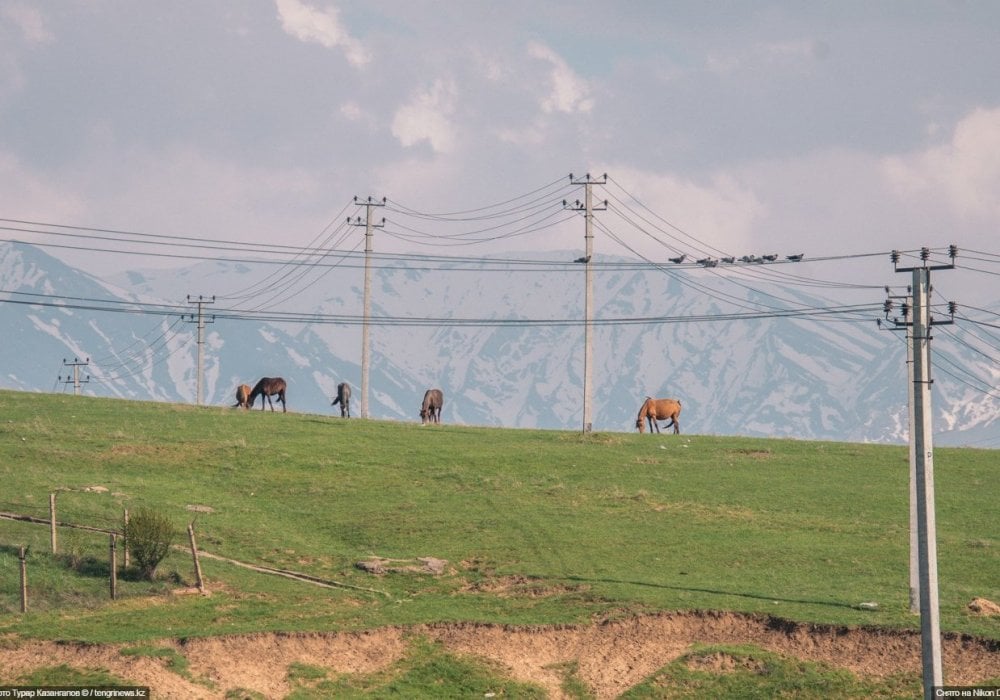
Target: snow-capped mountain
[(475, 334)]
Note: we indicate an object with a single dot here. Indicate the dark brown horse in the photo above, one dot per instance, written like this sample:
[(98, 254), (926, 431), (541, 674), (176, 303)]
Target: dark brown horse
[(430, 409), (659, 409), (268, 387), (344, 399), (243, 396)]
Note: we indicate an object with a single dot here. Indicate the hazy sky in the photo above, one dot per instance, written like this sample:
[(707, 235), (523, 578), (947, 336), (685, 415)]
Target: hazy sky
[(823, 128)]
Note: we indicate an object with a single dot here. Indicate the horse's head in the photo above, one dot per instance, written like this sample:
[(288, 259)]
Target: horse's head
[(640, 425)]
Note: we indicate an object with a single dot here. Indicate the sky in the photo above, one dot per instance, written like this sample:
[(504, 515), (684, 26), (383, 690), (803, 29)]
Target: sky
[(822, 128)]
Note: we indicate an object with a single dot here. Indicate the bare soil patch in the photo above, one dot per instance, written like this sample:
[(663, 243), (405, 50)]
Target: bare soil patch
[(610, 655)]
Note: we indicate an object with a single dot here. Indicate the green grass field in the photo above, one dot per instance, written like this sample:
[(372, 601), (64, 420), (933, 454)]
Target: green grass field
[(573, 525)]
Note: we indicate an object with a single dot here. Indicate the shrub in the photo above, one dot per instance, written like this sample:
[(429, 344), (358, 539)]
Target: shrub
[(148, 536)]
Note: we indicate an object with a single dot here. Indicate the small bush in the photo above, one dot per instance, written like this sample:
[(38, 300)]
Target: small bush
[(149, 535)]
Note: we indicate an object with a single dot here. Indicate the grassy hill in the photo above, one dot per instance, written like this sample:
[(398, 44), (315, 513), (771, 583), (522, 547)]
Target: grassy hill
[(536, 526)]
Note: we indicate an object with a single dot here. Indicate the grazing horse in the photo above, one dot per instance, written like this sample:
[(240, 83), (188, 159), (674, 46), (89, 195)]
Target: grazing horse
[(243, 396), (344, 399), (430, 409), (268, 387), (659, 409)]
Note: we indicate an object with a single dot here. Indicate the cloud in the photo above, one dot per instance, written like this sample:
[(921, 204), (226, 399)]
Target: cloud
[(796, 54), (965, 171), (29, 20), (428, 118), (721, 212), (569, 92), (308, 24), (29, 193)]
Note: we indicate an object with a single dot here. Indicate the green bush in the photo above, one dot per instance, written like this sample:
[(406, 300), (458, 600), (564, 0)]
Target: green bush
[(148, 536)]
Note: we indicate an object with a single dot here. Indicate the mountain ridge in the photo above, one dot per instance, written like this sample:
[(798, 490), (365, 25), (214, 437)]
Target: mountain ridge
[(484, 339)]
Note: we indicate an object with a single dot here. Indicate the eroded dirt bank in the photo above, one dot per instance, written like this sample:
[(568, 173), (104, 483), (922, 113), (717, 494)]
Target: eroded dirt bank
[(610, 656)]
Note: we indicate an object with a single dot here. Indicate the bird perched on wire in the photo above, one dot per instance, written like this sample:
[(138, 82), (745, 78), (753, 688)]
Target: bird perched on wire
[(795, 258), (584, 259), (678, 260), (769, 258)]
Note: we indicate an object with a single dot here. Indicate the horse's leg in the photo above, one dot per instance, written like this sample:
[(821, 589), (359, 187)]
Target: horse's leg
[(677, 426), (653, 425), (281, 398)]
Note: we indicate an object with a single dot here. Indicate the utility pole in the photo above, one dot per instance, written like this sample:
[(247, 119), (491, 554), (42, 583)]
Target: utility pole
[(201, 321), (902, 325), (370, 227), (587, 207), (76, 364), (921, 439)]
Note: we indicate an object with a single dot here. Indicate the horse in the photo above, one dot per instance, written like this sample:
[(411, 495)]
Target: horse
[(268, 387), (430, 409), (659, 409), (344, 399), (243, 396)]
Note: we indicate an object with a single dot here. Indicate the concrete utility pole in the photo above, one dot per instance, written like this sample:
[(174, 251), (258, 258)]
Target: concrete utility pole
[(370, 226), (588, 209), (921, 440), (201, 321), (903, 325), (76, 364)]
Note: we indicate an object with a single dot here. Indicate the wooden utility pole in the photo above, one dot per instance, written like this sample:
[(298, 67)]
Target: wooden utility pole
[(370, 227), (588, 209), (201, 321)]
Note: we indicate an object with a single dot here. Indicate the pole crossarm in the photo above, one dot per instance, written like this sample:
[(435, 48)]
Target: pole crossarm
[(75, 379), (925, 254)]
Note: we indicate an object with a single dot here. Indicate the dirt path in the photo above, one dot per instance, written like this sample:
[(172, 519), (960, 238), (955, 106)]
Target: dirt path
[(611, 657)]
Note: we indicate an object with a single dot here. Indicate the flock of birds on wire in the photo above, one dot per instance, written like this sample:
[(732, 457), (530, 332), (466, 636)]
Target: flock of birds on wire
[(712, 262)]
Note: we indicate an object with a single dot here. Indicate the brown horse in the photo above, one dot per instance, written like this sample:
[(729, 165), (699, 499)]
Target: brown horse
[(268, 387), (243, 396), (659, 409), (344, 399), (430, 409)]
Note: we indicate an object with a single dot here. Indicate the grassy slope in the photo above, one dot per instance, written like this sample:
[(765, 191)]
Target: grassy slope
[(604, 523)]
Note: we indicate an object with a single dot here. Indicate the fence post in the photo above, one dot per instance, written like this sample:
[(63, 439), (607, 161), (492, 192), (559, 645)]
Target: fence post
[(52, 521), (114, 566), (24, 581), (194, 554), (125, 539)]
